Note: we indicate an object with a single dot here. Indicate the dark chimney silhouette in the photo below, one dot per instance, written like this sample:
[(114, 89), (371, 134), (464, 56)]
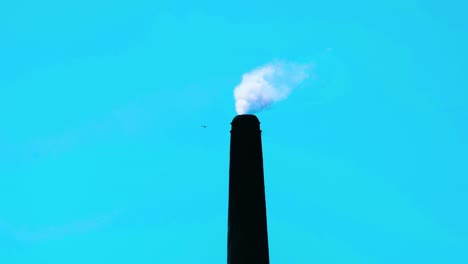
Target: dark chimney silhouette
[(247, 222)]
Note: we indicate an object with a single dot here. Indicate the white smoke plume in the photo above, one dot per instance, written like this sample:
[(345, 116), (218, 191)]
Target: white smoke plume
[(268, 84)]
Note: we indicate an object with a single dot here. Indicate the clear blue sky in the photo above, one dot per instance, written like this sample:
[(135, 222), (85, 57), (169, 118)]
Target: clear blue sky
[(103, 160)]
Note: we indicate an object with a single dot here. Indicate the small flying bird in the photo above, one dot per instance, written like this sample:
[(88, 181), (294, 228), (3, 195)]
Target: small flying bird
[(203, 126)]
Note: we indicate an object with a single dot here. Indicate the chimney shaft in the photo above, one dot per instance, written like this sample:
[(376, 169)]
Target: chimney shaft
[(247, 223)]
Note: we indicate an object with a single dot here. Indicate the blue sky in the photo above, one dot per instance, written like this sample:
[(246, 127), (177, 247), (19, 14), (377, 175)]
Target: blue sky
[(103, 160)]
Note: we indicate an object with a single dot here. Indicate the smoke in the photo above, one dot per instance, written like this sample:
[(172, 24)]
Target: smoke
[(268, 84)]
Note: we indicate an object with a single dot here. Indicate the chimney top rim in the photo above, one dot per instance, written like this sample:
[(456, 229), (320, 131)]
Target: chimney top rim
[(245, 118)]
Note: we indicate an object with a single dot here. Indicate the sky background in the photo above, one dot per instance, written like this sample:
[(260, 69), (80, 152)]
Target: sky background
[(103, 160)]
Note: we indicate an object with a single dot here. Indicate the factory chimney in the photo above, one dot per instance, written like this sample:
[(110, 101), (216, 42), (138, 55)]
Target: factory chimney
[(247, 222)]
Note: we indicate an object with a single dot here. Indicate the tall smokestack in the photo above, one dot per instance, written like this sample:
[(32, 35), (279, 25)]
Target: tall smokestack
[(247, 222)]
